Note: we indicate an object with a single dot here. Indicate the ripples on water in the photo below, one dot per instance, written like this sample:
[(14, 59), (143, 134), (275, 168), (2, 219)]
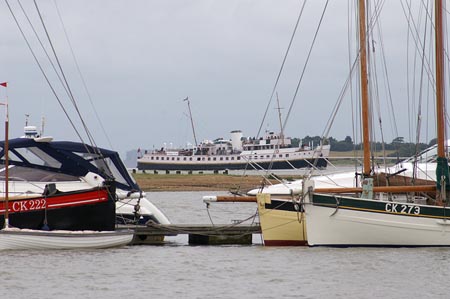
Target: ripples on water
[(183, 271)]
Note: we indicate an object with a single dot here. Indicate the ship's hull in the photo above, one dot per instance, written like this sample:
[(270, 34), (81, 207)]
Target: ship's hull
[(92, 209), (210, 166), (282, 222), (345, 221)]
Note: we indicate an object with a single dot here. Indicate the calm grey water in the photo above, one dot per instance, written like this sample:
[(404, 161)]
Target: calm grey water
[(178, 270)]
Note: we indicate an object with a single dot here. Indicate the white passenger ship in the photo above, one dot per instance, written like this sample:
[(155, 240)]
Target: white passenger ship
[(273, 151)]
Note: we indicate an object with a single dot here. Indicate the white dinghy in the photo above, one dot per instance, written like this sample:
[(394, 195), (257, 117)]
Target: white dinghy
[(20, 239)]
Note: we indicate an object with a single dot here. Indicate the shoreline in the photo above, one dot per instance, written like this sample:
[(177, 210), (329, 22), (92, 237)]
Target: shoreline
[(202, 182)]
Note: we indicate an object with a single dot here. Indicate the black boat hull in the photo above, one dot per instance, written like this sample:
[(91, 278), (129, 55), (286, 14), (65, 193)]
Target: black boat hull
[(300, 163), (79, 210)]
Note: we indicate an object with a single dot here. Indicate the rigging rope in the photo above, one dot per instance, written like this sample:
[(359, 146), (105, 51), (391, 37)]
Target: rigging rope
[(71, 96), (305, 65), (83, 81), (62, 78), (41, 69), (282, 67)]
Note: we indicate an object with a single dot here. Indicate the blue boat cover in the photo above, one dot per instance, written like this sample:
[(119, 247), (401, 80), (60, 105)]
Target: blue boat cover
[(71, 158)]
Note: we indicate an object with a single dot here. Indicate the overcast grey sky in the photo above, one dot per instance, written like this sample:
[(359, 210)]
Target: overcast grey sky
[(140, 59)]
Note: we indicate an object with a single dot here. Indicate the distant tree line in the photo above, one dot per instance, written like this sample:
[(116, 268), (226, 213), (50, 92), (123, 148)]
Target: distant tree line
[(398, 145)]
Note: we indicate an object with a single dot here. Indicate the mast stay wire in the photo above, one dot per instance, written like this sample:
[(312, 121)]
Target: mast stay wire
[(42, 46), (415, 33), (42, 70), (304, 66), (63, 81), (281, 68), (276, 84), (71, 96), (301, 76), (83, 81), (387, 87)]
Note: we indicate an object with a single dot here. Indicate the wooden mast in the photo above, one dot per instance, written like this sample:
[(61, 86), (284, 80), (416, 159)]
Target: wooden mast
[(364, 87), (365, 108), (442, 169), (439, 79)]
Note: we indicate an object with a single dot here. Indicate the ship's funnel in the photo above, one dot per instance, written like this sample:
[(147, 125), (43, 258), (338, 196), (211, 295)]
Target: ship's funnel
[(236, 140)]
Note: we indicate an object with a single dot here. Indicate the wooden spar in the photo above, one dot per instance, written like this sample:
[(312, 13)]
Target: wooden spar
[(229, 198), (385, 189), (439, 79), (364, 87), (442, 169)]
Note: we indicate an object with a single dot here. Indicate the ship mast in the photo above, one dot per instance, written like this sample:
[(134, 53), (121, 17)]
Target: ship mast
[(440, 96), (364, 87), (442, 170), (279, 118), (192, 120)]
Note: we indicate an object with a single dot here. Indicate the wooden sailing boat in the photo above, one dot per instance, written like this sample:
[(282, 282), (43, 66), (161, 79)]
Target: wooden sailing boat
[(334, 219), (27, 237)]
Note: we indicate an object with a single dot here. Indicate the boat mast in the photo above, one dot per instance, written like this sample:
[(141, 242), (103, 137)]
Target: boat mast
[(365, 122), (6, 155), (442, 170), (439, 79), (364, 87), (192, 121)]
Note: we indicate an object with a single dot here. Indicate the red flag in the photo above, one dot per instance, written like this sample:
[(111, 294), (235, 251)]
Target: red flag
[(5, 84)]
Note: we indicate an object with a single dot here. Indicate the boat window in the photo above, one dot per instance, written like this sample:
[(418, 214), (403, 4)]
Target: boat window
[(280, 156), (178, 158), (239, 158), (226, 158), (209, 159), (157, 158), (287, 155), (19, 173), (214, 159), (221, 158), (36, 156), (151, 158), (12, 157), (232, 158), (107, 164)]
